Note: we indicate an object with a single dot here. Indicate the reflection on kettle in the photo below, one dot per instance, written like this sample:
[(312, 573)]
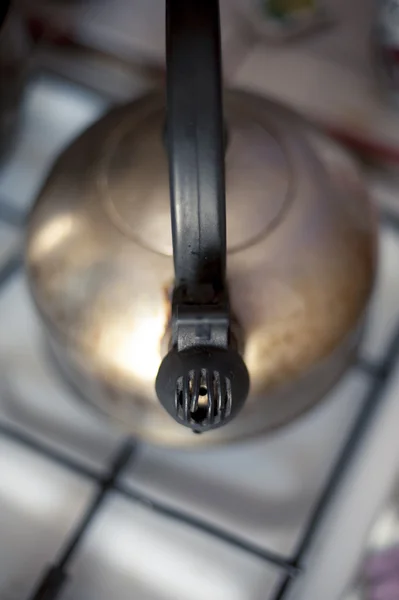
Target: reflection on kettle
[(203, 268)]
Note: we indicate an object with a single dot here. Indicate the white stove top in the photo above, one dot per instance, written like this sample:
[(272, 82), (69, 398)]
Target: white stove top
[(224, 524)]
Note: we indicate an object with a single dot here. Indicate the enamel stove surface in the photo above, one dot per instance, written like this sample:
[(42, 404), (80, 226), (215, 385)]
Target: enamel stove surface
[(126, 520)]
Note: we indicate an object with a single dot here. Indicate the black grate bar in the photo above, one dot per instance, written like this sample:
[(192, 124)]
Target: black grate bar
[(9, 268), (370, 368), (60, 458), (372, 402), (56, 575), (163, 509), (11, 215), (390, 219), (80, 469), (281, 590), (51, 584), (123, 456)]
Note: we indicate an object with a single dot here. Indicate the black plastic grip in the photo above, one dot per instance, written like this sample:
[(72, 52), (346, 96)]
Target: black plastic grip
[(202, 382), (196, 142)]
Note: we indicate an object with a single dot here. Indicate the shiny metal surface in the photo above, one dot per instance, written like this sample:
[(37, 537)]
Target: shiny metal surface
[(301, 260)]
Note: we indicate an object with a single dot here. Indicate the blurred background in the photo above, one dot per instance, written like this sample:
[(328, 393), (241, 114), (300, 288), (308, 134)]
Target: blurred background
[(308, 512)]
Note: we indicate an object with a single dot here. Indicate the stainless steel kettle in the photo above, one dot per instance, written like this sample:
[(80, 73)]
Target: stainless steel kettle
[(158, 325)]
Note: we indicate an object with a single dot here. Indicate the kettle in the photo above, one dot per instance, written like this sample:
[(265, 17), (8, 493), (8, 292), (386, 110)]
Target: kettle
[(201, 264)]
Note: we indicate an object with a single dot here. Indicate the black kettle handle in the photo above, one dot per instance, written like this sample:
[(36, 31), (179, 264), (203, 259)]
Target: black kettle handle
[(195, 141), (202, 382)]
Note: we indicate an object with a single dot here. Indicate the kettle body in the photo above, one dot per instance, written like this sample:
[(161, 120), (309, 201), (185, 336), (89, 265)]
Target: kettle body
[(301, 257)]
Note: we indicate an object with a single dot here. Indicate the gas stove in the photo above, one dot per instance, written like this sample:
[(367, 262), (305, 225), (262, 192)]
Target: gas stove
[(86, 514)]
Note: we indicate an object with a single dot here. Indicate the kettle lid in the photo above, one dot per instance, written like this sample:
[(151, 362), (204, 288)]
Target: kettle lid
[(135, 181)]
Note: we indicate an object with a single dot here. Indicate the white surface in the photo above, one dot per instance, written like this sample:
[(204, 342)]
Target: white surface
[(39, 505), (264, 490), (133, 553), (9, 238), (338, 548), (384, 309), (54, 112)]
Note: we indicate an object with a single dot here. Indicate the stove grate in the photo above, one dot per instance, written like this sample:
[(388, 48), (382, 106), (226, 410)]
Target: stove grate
[(56, 576)]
